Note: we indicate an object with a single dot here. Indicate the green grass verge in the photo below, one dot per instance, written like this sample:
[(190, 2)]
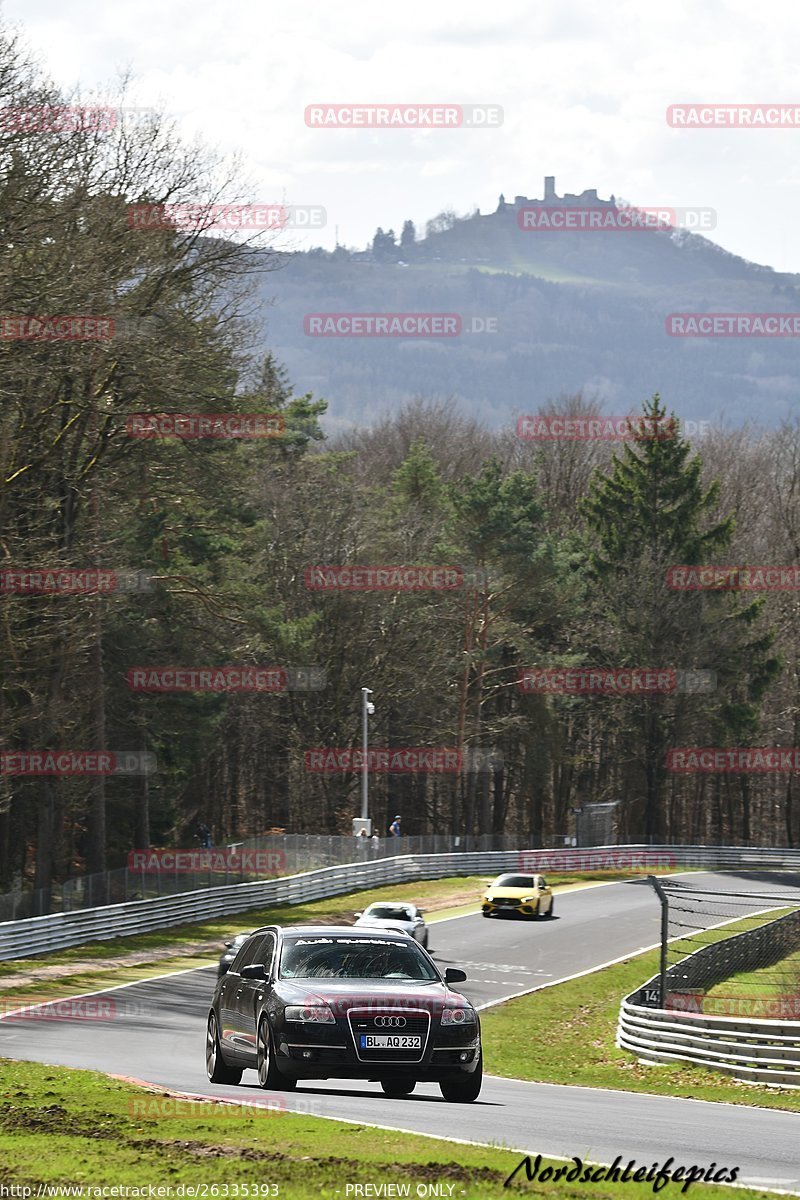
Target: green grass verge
[(61, 1127), (781, 980), (566, 1034), (748, 993)]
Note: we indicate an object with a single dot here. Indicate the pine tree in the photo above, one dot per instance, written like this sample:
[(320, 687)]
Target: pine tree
[(408, 238), (649, 512)]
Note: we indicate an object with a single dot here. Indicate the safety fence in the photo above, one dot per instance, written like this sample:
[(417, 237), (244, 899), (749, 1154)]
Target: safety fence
[(758, 1051), (38, 935), (761, 1048), (289, 853), (237, 862)]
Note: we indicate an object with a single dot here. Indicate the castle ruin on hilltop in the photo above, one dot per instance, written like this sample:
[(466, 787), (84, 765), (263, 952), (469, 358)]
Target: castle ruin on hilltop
[(587, 197)]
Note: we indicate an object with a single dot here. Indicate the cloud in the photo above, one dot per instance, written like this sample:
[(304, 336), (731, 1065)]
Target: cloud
[(584, 89)]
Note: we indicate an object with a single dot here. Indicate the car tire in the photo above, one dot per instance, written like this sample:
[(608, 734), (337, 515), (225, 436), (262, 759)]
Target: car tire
[(549, 912), (397, 1088), (269, 1077), (424, 942), (217, 1069), (463, 1089), (537, 912), (487, 914)]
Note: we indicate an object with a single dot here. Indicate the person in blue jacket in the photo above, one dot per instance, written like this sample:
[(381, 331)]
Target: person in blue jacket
[(394, 828)]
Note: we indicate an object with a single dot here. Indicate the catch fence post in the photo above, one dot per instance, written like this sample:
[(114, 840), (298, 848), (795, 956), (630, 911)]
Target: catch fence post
[(662, 896)]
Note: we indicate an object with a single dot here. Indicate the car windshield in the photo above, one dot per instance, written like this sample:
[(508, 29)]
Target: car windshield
[(517, 881), (388, 912), (353, 958)]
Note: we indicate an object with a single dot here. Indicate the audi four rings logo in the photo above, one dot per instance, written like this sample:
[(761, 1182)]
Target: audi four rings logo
[(386, 1022)]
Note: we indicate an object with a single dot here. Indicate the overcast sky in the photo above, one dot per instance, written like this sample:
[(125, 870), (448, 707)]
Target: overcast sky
[(584, 88)]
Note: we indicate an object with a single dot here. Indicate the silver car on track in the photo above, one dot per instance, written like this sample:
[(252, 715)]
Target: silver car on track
[(395, 914)]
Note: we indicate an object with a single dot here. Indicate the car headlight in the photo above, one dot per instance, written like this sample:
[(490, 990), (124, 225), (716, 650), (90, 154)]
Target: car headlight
[(320, 1014), (458, 1016)]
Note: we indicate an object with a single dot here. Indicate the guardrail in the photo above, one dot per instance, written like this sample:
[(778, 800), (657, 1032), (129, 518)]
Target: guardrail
[(295, 852), (289, 853), (38, 935), (760, 1051), (667, 858)]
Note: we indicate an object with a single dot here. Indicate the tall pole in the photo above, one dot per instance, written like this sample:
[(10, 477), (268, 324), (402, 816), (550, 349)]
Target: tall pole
[(365, 711), (662, 974)]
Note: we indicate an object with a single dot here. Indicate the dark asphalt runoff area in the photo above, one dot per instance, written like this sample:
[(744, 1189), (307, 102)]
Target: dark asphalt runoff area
[(155, 1032)]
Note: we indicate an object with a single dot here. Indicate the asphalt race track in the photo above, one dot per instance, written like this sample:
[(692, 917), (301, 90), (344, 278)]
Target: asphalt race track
[(155, 1031)]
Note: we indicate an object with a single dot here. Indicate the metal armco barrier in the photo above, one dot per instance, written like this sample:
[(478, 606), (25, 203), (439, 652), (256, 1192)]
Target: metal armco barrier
[(37, 935), (761, 1051)]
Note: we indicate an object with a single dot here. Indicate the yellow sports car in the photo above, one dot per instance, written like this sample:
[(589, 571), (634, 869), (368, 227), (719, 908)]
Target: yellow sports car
[(526, 895)]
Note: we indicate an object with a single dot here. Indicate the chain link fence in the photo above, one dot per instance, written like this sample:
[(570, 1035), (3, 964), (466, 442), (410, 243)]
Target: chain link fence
[(254, 858), (728, 953)]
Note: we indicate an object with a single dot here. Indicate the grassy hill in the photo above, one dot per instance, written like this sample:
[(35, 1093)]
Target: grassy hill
[(571, 311)]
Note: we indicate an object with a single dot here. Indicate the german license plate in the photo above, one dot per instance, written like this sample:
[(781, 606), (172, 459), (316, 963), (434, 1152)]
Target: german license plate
[(390, 1041)]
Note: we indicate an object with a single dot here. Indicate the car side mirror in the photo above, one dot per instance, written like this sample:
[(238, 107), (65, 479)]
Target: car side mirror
[(255, 971), (451, 975), (228, 945)]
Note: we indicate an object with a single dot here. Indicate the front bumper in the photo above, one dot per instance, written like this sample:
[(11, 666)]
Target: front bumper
[(323, 1051), (491, 907)]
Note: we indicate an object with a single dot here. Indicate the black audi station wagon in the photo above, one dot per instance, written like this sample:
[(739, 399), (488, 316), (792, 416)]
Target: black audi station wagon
[(331, 1002)]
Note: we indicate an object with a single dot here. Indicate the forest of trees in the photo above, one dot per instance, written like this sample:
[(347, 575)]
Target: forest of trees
[(565, 546)]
